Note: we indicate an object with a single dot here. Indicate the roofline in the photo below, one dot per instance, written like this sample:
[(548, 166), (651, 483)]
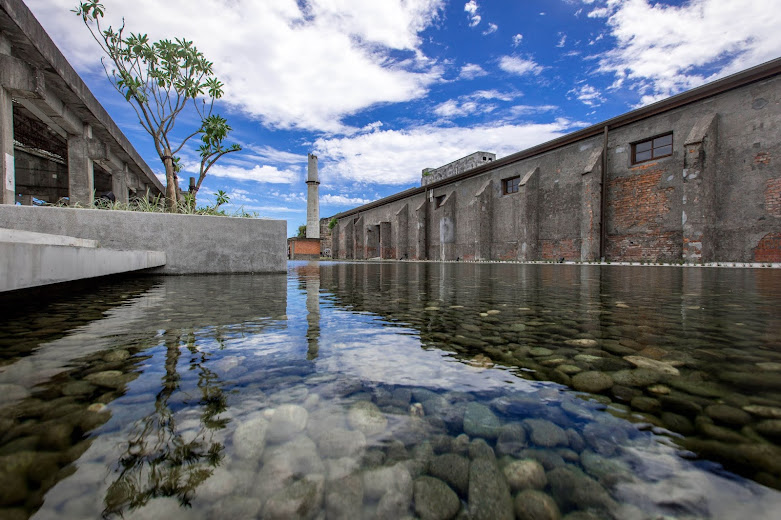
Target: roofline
[(739, 79), (18, 12)]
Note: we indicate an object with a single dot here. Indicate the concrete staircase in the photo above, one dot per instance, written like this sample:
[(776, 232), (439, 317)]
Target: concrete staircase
[(29, 259)]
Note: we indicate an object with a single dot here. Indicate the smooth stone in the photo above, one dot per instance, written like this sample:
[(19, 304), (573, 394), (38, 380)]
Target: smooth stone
[(525, 474), (287, 421), (107, 378), (576, 442), (531, 504), (540, 351), (569, 369), (78, 388), (728, 414), (646, 404), (720, 433), (434, 500), (452, 469), (680, 405), (221, 483), (480, 421), (545, 433), (377, 482), (604, 439), (768, 412), (344, 497), (699, 388), (769, 428), (572, 489), (511, 440), (756, 380), (489, 495), (392, 505), (340, 442), (116, 355), (636, 377), (548, 458), (606, 470), (236, 507), (677, 423), (652, 364), (284, 463), (769, 366), (582, 342), (301, 500), (479, 449), (625, 393), (365, 417), (249, 438), (659, 389), (592, 382)]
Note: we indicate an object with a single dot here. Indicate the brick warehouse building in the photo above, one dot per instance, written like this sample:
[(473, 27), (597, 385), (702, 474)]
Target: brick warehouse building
[(692, 178)]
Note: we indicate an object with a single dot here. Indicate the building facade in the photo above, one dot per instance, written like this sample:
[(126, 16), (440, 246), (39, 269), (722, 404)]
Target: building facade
[(58, 142), (693, 178)]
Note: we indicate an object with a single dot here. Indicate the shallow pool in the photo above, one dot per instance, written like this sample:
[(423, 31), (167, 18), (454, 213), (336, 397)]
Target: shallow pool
[(385, 390)]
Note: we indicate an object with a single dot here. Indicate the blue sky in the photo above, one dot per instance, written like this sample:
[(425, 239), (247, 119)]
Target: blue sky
[(381, 89)]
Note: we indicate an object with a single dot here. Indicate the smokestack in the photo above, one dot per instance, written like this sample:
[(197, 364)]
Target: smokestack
[(312, 199)]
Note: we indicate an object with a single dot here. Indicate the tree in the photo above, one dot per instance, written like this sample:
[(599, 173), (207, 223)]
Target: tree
[(301, 231), (159, 79)]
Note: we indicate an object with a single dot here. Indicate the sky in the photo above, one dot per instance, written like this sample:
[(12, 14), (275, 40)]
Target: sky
[(381, 89)]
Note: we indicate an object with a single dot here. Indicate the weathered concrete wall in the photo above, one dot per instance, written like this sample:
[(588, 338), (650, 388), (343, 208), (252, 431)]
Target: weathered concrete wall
[(461, 165), (717, 197), (192, 244)]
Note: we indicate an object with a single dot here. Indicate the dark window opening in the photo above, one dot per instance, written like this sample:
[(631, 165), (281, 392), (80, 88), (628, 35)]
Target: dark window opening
[(654, 148), (511, 185), (438, 201)]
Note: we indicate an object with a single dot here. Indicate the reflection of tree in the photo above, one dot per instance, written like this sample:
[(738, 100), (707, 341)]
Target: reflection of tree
[(160, 460)]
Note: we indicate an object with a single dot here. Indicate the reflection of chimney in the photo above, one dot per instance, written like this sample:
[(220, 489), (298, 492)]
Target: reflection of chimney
[(312, 199), (313, 316)]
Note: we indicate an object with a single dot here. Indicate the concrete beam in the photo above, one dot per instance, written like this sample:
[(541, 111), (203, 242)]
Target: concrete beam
[(349, 240), (119, 183), (447, 228), (360, 238), (421, 228), (335, 238), (386, 244), (7, 169)]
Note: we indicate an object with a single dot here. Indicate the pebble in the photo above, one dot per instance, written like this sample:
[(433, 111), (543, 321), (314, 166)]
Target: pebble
[(489, 495), (536, 505), (545, 433), (367, 418), (525, 474), (652, 364), (728, 414), (480, 421), (768, 412), (434, 500), (592, 382), (452, 469)]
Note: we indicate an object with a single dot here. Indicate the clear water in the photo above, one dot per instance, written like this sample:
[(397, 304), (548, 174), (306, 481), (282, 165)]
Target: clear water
[(385, 390)]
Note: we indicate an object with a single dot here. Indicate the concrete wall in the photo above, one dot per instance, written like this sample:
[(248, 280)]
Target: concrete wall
[(192, 244), (461, 165), (716, 198)]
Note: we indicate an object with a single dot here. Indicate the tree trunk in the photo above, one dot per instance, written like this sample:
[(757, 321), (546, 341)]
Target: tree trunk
[(170, 182)]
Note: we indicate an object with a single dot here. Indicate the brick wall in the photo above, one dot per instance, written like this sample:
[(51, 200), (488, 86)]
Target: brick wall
[(768, 249), (773, 197), (637, 205), (569, 249)]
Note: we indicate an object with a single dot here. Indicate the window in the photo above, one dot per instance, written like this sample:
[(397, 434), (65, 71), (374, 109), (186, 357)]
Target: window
[(660, 146), (511, 185), (439, 200)]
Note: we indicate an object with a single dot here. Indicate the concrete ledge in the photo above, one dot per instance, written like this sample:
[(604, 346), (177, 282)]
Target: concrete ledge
[(31, 265), (29, 237), (192, 244)]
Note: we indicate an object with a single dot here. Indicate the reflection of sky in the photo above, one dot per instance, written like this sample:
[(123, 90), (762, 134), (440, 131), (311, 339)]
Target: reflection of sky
[(356, 344)]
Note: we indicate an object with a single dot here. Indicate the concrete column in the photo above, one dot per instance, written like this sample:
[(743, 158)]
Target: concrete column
[(7, 172), (447, 228), (529, 227), (402, 234), (698, 198), (386, 245), (335, 237), (349, 239), (312, 199), (81, 177), (360, 239), (372, 243), (119, 183), (590, 207), (421, 226), (482, 218)]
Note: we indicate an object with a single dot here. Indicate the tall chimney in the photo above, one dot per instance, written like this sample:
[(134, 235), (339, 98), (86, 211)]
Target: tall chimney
[(312, 199)]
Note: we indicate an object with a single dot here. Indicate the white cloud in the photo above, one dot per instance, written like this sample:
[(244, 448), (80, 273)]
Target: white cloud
[(522, 110), (460, 108), (562, 40), (588, 95), (519, 66), (240, 196), (495, 94), (492, 28), (517, 39), (471, 8), (269, 154), (366, 158), (277, 61), (599, 12), (343, 200), (472, 71), (263, 174), (662, 49)]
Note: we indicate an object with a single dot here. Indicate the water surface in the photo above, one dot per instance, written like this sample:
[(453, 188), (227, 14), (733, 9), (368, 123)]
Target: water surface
[(383, 390)]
